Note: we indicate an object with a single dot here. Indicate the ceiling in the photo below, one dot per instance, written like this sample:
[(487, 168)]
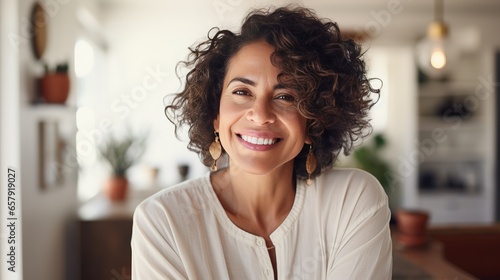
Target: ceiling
[(406, 25), (422, 5), (465, 6)]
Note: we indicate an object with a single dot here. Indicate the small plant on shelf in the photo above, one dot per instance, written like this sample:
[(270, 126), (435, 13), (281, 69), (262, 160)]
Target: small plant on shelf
[(54, 84), (60, 68), (120, 154)]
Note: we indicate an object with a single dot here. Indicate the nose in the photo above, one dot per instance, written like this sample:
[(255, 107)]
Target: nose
[(261, 112)]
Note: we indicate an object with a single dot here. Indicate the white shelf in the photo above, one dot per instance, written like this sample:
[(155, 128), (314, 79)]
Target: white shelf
[(443, 89), (448, 193), (448, 156), (449, 208), (451, 123), (50, 111)]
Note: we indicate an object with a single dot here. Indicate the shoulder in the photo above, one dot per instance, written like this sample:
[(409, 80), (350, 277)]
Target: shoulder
[(183, 198), (341, 173), (351, 182), (347, 200), (349, 192)]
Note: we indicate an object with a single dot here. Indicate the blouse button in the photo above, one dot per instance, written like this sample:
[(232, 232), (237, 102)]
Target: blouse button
[(260, 242)]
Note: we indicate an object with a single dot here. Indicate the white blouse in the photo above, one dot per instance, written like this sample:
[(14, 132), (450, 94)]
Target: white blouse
[(338, 228)]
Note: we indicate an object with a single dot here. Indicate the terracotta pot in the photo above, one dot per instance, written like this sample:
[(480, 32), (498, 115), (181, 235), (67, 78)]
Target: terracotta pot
[(412, 227), (410, 240), (116, 188), (54, 88)]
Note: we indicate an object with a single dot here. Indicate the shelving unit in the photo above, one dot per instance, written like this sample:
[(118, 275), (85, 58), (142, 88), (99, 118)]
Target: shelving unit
[(455, 175)]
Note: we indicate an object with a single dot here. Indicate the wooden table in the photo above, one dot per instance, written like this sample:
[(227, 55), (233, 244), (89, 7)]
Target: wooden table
[(429, 259)]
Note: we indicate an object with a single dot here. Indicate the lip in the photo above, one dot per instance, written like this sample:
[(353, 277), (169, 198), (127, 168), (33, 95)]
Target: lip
[(263, 139)]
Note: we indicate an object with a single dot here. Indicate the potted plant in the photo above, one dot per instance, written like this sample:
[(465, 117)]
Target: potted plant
[(369, 158), (54, 85), (120, 154), (411, 223)]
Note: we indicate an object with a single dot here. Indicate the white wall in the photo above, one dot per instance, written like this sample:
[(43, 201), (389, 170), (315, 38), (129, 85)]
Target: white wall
[(402, 123), (46, 213), (395, 115)]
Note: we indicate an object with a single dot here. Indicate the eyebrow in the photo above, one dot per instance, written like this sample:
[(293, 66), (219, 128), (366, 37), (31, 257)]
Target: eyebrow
[(252, 83), (242, 80)]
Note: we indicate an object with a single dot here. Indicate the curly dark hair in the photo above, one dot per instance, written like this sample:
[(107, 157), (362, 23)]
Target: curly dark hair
[(326, 69)]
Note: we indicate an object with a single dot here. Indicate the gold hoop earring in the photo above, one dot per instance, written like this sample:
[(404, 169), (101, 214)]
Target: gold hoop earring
[(215, 150), (310, 165)]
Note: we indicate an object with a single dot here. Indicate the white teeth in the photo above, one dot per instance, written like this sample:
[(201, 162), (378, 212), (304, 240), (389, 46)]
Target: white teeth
[(258, 141)]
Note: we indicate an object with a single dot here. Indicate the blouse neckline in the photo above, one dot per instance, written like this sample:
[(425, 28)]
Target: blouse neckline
[(249, 238)]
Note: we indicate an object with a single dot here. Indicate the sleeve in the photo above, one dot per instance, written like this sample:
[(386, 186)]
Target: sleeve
[(154, 252), (365, 249)]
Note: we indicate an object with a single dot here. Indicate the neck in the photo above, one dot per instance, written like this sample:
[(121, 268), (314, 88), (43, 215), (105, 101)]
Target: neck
[(261, 200)]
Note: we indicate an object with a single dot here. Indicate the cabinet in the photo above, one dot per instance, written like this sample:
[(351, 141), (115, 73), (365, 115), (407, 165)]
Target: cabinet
[(105, 248), (105, 231), (456, 144)]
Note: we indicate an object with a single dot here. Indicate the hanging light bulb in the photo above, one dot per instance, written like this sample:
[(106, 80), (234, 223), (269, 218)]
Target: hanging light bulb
[(438, 58), (436, 53)]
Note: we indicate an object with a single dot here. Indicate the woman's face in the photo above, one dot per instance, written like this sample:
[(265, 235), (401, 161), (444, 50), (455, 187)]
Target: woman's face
[(258, 123)]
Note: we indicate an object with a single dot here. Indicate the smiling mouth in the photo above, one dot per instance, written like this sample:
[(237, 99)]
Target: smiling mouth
[(258, 140)]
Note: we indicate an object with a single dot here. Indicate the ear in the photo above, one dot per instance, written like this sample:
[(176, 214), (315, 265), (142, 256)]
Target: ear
[(307, 140), (216, 123)]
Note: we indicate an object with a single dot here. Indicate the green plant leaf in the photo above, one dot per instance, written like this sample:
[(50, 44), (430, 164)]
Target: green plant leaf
[(122, 153)]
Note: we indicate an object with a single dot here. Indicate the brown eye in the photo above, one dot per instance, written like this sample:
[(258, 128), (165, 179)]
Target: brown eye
[(240, 92), (286, 97)]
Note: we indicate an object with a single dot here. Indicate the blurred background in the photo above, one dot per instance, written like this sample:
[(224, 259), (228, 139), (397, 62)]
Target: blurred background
[(82, 79)]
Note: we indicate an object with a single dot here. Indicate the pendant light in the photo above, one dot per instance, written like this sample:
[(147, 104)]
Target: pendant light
[(435, 52)]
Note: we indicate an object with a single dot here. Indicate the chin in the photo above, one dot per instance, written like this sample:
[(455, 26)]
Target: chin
[(263, 170)]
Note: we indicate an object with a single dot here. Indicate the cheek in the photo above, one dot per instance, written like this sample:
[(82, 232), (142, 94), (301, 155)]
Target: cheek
[(230, 112), (300, 126), (224, 122), (297, 122), (226, 111)]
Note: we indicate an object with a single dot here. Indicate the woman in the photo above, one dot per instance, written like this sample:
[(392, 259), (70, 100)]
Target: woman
[(281, 99)]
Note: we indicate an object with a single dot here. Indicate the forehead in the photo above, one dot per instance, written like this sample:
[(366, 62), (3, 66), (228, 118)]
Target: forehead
[(252, 56), (259, 47)]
